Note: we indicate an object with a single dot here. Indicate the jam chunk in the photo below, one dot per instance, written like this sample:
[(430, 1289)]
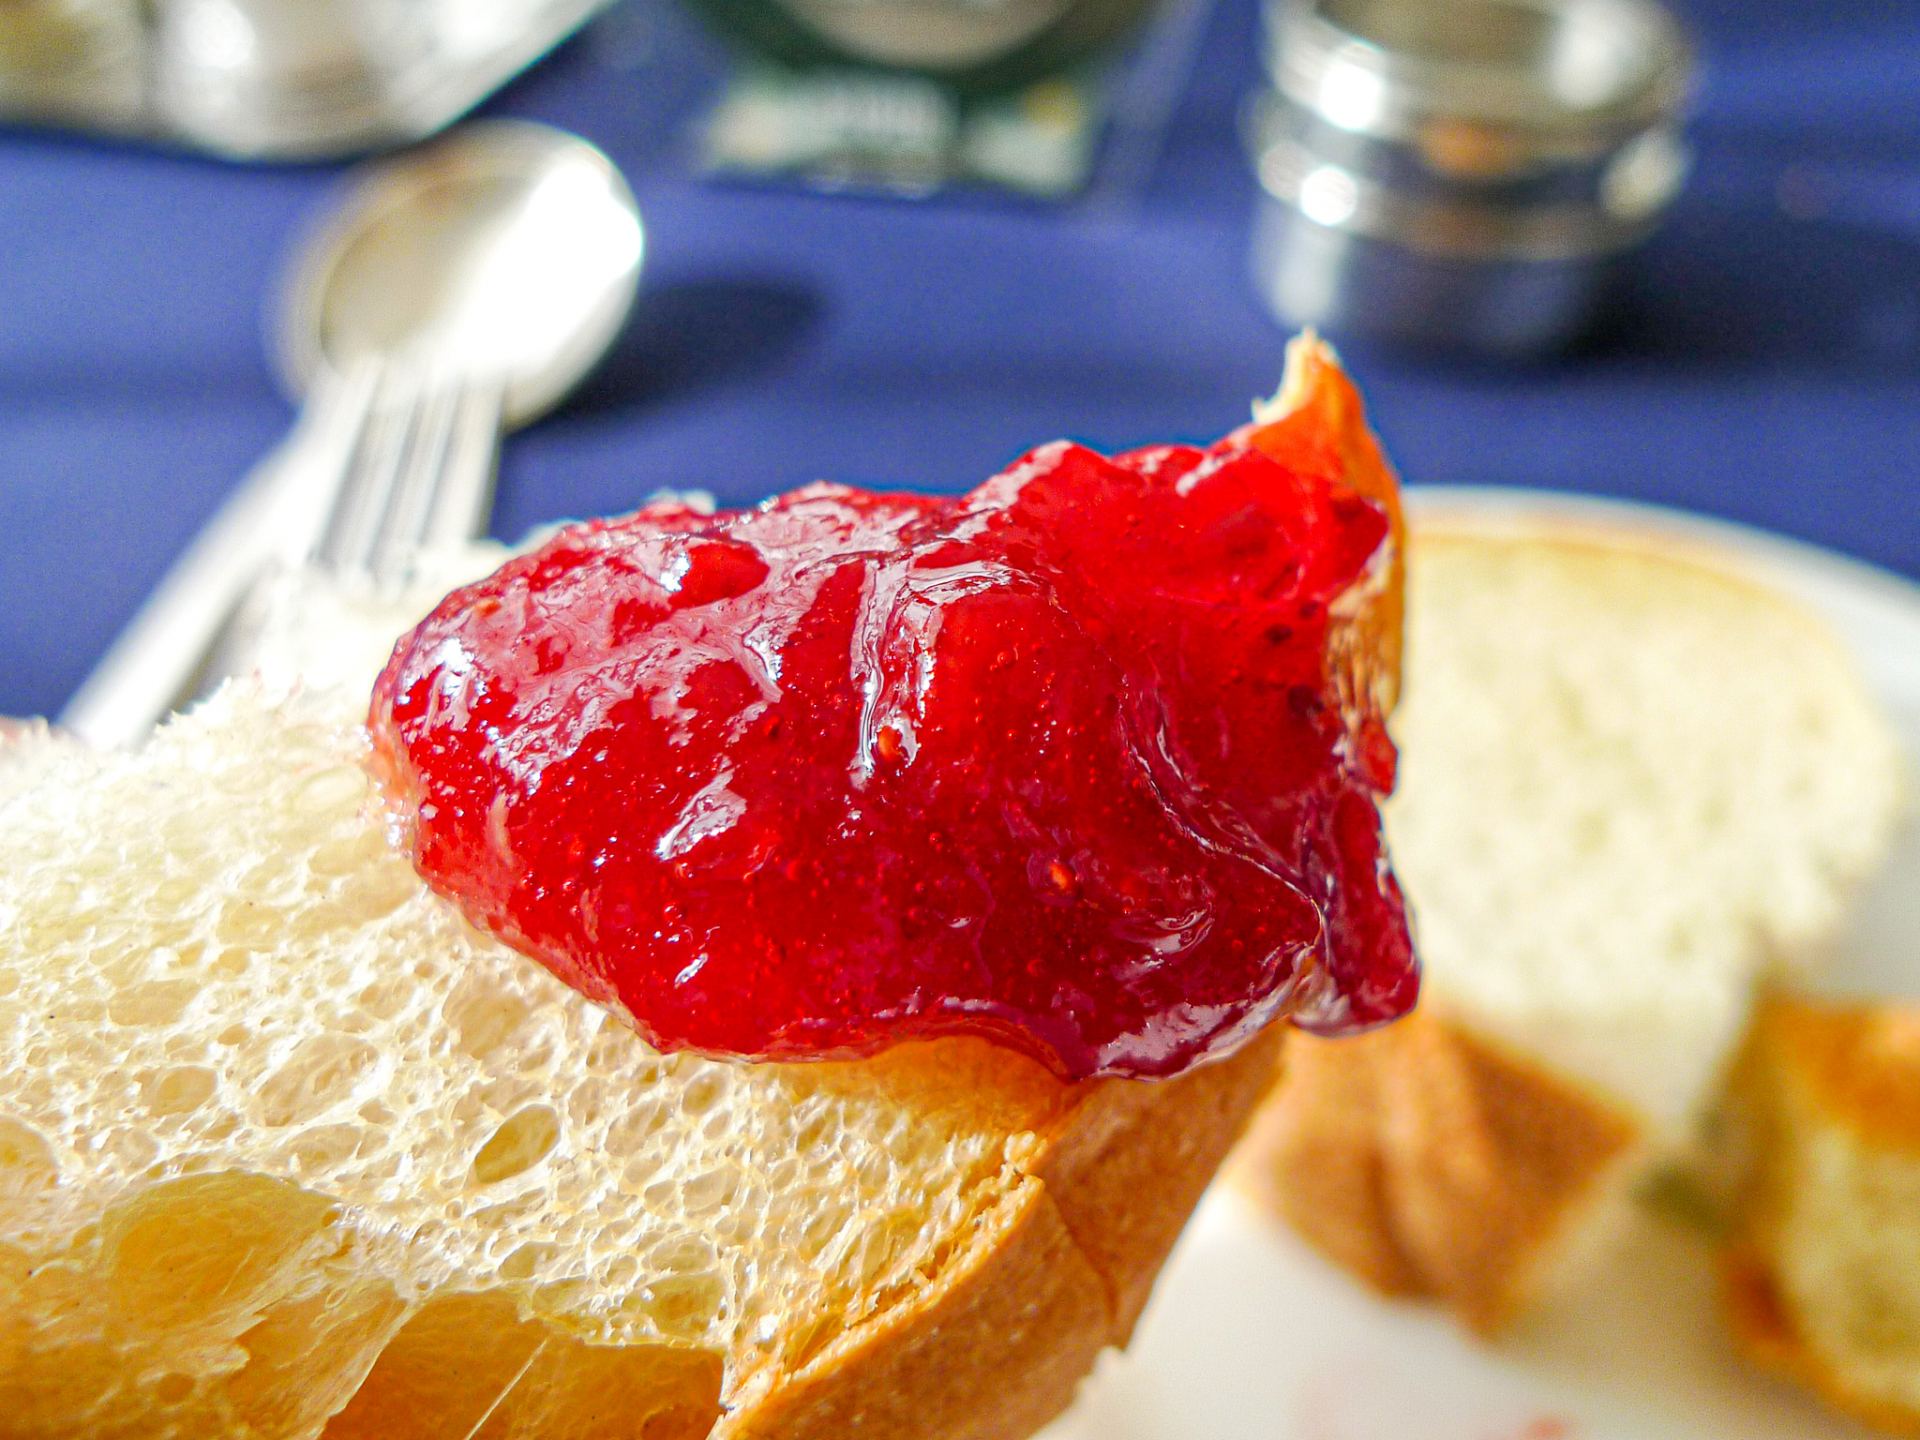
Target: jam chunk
[(1079, 761)]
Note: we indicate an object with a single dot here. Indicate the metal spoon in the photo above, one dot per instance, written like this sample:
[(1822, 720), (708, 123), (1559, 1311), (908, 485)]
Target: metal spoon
[(476, 280)]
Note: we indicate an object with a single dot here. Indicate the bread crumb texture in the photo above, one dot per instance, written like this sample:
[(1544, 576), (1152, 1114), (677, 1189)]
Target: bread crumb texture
[(1630, 782), (22, 743), (1824, 1279), (287, 1148)]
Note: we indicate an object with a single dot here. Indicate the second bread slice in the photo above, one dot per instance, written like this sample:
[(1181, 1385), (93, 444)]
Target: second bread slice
[(1631, 783)]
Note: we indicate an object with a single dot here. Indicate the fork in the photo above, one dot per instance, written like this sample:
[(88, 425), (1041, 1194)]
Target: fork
[(419, 474), (394, 458)]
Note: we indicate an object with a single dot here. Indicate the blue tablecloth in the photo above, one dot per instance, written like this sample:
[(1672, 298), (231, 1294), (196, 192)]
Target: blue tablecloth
[(1765, 364)]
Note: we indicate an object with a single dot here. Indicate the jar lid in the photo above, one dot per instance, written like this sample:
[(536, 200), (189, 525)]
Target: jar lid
[(1509, 81)]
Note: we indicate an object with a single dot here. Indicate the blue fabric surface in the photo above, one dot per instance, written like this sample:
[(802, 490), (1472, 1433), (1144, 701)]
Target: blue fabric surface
[(1764, 364)]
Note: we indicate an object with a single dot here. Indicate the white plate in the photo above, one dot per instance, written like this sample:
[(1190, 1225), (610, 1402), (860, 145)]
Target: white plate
[(1252, 1337)]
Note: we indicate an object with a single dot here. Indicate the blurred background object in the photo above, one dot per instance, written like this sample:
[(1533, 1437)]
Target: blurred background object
[(906, 95), (897, 95), (73, 61), (457, 291), (1462, 175), (256, 79)]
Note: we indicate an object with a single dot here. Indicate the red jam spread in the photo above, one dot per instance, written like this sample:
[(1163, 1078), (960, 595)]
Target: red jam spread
[(1064, 761)]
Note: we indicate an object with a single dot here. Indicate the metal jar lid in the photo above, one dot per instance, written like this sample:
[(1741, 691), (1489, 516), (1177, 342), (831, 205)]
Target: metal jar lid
[(1531, 80), (1497, 133)]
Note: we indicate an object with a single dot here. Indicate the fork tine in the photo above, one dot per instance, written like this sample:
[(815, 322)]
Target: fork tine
[(404, 524), (464, 498), (353, 530), (419, 473)]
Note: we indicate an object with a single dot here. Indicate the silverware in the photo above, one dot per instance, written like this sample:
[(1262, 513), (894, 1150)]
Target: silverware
[(420, 474), (459, 290), (1465, 174)]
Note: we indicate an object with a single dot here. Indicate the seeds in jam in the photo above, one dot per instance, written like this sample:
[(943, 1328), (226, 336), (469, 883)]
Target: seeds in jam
[(1063, 761)]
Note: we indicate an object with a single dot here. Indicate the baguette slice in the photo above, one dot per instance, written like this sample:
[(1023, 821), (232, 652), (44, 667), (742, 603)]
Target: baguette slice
[(287, 1149), (1824, 1273), (1631, 784)]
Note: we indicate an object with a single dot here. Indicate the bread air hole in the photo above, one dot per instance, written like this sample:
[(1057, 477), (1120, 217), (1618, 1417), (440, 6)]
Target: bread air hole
[(528, 1260), (347, 855), (326, 1148), (522, 1142), (322, 1072), (196, 1253), (247, 925), (173, 1388), (157, 1002), (336, 788), (683, 1305), (26, 1160), (484, 1018), (178, 1089), (464, 1362)]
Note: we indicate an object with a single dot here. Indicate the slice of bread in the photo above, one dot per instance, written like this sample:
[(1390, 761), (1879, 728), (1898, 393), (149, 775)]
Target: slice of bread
[(1632, 783), (287, 1149), (1824, 1272)]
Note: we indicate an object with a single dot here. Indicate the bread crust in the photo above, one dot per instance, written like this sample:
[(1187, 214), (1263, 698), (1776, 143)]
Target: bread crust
[(1859, 1065), (1767, 1336), (1315, 1157), (1856, 1067), (1432, 1162), (994, 1346)]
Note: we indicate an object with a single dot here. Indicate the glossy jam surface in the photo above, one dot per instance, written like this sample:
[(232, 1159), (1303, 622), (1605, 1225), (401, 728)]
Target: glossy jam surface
[(1063, 761)]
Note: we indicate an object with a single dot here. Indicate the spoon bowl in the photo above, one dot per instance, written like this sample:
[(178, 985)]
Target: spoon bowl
[(456, 291), (508, 253)]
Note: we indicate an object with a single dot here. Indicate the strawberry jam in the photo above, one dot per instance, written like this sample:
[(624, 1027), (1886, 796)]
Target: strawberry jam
[(1074, 761)]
